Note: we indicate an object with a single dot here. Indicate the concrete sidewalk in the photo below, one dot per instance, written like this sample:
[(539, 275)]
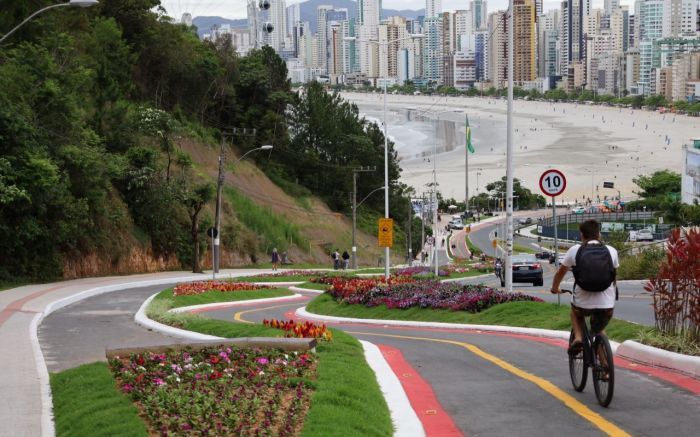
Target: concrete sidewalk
[(24, 383)]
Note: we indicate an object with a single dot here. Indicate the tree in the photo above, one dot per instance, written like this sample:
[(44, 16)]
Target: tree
[(660, 183), (525, 198), (195, 200)]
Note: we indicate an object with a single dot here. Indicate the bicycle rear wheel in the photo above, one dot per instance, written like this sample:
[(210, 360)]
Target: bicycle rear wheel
[(578, 369), (603, 370)]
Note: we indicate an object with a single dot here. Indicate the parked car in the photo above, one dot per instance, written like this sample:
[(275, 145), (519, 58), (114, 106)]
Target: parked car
[(525, 221), (645, 235), (526, 268), (578, 210)]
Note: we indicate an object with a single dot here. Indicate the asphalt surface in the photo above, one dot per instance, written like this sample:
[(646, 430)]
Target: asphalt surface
[(482, 397), (635, 305), (80, 333)]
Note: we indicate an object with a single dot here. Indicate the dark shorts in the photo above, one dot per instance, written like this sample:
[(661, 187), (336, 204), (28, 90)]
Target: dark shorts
[(600, 317)]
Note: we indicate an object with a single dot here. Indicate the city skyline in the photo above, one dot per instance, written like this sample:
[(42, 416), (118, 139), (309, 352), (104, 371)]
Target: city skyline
[(225, 9)]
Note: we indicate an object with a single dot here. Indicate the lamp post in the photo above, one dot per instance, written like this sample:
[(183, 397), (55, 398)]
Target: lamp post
[(387, 252), (219, 189), (509, 154), (74, 3), (356, 205)]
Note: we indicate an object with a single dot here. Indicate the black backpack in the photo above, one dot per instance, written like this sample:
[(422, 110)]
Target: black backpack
[(594, 270)]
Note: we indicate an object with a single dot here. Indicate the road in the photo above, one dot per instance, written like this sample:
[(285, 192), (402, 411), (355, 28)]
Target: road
[(488, 384), (635, 305)]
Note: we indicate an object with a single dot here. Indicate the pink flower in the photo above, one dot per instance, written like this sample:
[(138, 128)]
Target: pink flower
[(263, 361), (158, 381)]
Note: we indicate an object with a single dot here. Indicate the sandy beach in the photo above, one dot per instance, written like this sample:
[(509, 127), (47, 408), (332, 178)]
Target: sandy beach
[(590, 144)]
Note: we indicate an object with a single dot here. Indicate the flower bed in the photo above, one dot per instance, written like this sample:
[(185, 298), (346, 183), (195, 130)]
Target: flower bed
[(304, 273), (219, 390), (200, 287), (424, 294), (300, 330)]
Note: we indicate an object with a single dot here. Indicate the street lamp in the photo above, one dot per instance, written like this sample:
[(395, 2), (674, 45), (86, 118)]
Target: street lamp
[(75, 3), (387, 253), (217, 219), (354, 222)]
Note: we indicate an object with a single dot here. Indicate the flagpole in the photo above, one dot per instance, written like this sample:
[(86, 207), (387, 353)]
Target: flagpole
[(466, 168)]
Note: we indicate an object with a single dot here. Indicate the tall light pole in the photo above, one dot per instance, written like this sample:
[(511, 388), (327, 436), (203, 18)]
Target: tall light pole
[(509, 154), (74, 3), (355, 205), (387, 251), (219, 190)]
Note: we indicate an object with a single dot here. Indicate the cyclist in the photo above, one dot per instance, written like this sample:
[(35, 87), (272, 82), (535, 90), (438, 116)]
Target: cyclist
[(596, 304)]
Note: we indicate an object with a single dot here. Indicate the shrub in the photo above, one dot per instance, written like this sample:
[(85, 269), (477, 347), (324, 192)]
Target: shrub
[(676, 288), (643, 265)]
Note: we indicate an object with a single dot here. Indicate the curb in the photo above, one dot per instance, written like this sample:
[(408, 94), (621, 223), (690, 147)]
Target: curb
[(210, 306), (305, 290), (403, 416), (141, 319), (656, 357)]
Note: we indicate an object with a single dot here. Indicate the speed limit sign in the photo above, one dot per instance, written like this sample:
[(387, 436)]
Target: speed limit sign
[(552, 182)]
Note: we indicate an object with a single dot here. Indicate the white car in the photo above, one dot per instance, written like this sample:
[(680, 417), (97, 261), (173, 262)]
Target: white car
[(645, 235)]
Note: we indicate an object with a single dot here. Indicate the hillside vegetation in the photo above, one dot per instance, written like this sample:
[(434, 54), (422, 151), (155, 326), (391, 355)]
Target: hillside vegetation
[(111, 121)]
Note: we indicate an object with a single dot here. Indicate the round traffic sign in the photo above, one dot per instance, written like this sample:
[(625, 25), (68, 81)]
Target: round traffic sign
[(552, 182), (212, 232)]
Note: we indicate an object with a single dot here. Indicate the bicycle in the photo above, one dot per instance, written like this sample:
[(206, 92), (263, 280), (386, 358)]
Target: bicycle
[(596, 354)]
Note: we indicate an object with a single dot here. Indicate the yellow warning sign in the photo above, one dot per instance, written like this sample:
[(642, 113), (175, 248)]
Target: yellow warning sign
[(494, 243), (386, 232), (468, 229)]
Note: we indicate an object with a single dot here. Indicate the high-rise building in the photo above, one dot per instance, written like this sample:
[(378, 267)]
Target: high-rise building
[(609, 6), (392, 37), (433, 8), (293, 17), (651, 29), (680, 18), (480, 53), (497, 49), (548, 44), (278, 17), (525, 53), (479, 14), (432, 50), (463, 32), (572, 36), (369, 12), (322, 36)]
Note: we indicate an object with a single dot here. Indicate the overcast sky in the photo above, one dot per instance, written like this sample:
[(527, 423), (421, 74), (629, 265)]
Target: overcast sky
[(237, 8)]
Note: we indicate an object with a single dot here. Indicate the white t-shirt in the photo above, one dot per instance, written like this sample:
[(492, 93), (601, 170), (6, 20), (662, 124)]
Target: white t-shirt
[(588, 299)]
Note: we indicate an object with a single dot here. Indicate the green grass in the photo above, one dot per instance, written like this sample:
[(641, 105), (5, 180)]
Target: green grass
[(7, 285), (313, 286), (519, 248), (472, 248), (217, 296), (294, 266), (274, 229), (523, 314), (87, 402)]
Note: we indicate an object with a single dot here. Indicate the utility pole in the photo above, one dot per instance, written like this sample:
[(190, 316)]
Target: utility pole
[(466, 170), (410, 225), (509, 154), (219, 188), (355, 171), (422, 227)]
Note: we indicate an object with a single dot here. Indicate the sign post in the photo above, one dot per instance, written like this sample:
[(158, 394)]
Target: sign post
[(386, 232), (553, 183)]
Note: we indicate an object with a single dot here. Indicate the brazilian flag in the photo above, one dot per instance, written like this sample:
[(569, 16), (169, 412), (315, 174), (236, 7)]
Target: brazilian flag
[(470, 147)]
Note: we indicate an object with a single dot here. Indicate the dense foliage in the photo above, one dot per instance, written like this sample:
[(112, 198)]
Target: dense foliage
[(94, 106), (661, 192)]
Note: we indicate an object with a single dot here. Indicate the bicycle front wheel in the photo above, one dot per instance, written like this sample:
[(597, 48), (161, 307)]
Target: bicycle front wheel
[(603, 370), (578, 369)]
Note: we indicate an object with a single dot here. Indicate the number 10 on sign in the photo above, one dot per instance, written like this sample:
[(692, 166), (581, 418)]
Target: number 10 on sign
[(553, 183)]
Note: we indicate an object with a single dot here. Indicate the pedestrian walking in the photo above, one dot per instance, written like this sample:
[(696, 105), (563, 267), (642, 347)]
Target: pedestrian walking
[(275, 259), (346, 259), (335, 256)]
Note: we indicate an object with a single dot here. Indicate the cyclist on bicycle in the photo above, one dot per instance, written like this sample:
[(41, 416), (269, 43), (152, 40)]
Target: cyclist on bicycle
[(599, 277)]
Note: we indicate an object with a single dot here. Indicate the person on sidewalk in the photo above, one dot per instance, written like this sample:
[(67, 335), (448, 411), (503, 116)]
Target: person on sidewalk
[(346, 259), (335, 256), (275, 259), (594, 265)]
